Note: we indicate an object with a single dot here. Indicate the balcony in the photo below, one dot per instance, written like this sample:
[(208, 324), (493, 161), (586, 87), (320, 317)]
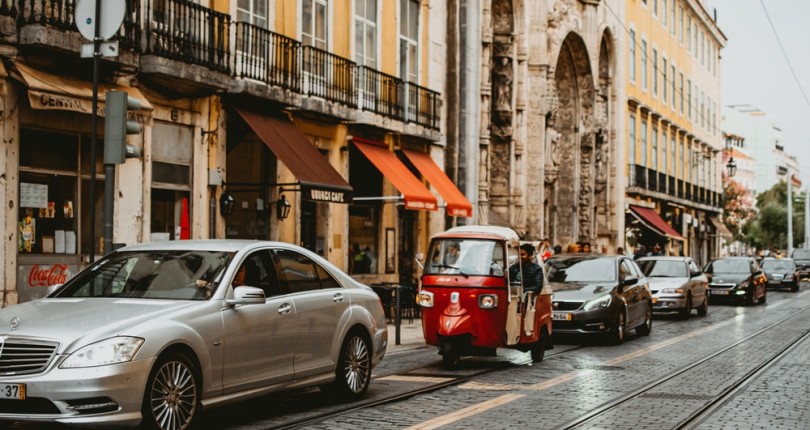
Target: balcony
[(187, 49), (649, 182)]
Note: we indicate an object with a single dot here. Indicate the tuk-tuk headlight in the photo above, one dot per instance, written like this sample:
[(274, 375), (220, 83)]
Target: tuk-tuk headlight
[(601, 302), (487, 301), (425, 299)]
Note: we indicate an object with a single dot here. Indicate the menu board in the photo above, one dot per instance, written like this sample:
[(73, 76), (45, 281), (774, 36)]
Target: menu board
[(33, 195)]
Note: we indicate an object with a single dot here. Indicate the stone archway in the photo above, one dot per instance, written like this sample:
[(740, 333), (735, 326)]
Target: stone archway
[(571, 142)]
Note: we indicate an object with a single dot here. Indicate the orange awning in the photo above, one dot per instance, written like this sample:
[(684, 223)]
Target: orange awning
[(650, 219), (416, 195), (318, 179), (457, 203)]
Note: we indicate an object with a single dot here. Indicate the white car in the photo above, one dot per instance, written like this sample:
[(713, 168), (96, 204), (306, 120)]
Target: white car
[(677, 285), (156, 332)]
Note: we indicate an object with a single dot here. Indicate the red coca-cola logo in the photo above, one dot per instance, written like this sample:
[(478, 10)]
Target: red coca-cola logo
[(46, 276)]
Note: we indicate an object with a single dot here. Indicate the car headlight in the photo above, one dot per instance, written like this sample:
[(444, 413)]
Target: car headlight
[(789, 277), (425, 299), (601, 302), (673, 291), (109, 351), (487, 301), (743, 284)]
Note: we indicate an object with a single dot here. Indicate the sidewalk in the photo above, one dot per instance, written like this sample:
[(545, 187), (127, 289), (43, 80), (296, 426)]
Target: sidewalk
[(410, 335)]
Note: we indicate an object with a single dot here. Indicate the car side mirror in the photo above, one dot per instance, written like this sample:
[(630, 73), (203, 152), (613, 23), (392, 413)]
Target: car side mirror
[(246, 296), (629, 280)]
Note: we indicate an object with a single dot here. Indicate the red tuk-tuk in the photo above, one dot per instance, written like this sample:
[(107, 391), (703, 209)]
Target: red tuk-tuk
[(470, 306)]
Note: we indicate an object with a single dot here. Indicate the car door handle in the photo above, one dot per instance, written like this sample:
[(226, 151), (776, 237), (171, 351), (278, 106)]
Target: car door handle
[(284, 309), (338, 298)]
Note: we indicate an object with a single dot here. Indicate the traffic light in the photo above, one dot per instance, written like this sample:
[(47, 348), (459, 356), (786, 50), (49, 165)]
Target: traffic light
[(116, 127)]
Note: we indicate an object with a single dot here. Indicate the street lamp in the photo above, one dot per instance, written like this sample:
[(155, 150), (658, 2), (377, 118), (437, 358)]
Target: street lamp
[(731, 167), (283, 208), (789, 214)]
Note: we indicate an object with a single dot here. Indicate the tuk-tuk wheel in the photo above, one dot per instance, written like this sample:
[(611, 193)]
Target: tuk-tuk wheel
[(451, 356), (539, 348)]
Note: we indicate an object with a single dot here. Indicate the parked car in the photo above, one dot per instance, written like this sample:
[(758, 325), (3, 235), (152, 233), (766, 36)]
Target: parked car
[(736, 280), (157, 331), (604, 295), (801, 256), (677, 284), (781, 273)]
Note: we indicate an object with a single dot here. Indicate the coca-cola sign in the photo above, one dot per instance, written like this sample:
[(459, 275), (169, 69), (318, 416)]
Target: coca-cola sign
[(33, 280), (44, 276)]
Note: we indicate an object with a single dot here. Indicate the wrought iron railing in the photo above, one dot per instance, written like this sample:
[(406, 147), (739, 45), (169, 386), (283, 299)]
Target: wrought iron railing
[(182, 30), (185, 31), (380, 93), (265, 56), (328, 76)]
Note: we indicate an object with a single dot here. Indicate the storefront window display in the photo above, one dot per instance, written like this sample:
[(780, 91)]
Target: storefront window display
[(171, 182), (51, 218)]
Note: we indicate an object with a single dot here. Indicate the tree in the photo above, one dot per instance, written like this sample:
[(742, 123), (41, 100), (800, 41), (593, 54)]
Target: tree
[(738, 207), (771, 222)]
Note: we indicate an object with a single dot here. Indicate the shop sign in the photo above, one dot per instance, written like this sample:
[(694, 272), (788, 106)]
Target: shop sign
[(326, 195), (33, 280)]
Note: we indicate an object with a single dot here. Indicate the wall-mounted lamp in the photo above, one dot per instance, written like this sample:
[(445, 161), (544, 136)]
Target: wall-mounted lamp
[(731, 167), (226, 204), (283, 208)]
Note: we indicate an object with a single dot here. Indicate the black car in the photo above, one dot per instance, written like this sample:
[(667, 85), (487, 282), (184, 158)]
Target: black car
[(603, 295), (801, 256), (736, 280), (781, 273)]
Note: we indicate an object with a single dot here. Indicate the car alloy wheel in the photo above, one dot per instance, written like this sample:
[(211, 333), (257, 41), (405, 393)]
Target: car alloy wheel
[(617, 333), (354, 366), (686, 312), (172, 396), (646, 328), (703, 310)]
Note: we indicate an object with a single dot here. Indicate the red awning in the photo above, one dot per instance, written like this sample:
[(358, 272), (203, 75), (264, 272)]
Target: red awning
[(319, 180), (653, 221), (457, 203), (416, 195)]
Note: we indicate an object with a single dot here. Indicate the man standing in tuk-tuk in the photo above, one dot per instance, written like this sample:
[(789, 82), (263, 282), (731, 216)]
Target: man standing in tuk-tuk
[(530, 273)]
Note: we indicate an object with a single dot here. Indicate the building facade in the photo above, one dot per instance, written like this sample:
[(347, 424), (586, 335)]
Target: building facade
[(532, 133), (674, 140), (313, 122)]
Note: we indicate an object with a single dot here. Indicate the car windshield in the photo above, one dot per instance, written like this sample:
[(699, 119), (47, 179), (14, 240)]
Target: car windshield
[(191, 275), (581, 270), (471, 257), (663, 268), (731, 266), (770, 265)]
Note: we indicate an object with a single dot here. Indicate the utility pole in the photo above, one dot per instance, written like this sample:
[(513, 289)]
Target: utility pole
[(789, 214)]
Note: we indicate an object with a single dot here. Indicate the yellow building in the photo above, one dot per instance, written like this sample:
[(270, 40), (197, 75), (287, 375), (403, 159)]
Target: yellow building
[(314, 122), (674, 143)]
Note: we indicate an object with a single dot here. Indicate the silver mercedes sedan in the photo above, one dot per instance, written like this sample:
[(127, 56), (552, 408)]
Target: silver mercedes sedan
[(157, 332)]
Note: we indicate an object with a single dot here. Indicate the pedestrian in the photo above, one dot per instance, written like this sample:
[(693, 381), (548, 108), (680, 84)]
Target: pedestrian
[(545, 250), (586, 248), (656, 250), (620, 250), (528, 272)]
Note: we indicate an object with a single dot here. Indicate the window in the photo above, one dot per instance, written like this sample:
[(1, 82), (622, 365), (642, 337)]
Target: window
[(672, 74), (664, 152), (680, 79), (54, 173), (673, 148), (632, 55), (631, 156), (409, 52), (252, 12), (654, 152), (672, 18), (365, 33), (689, 32), (695, 42), (171, 182), (644, 64), (408, 40), (655, 72), (689, 98), (680, 22), (664, 13), (297, 272), (313, 23), (260, 272), (643, 142), (664, 80)]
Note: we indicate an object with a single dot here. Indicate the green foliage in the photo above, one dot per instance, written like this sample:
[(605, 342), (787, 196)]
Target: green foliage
[(769, 229)]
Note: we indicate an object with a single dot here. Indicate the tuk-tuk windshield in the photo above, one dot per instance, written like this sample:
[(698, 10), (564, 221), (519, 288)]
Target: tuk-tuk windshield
[(470, 257)]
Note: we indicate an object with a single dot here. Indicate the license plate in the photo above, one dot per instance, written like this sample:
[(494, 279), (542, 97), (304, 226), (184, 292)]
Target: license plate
[(719, 292), (12, 391), (561, 316), (775, 281)]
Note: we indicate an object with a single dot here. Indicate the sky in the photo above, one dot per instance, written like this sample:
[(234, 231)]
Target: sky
[(769, 67)]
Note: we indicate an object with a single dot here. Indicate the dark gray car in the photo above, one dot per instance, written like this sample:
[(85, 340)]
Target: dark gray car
[(603, 295)]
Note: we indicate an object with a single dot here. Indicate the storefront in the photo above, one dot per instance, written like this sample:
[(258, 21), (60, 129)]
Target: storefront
[(54, 190), (646, 227)]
